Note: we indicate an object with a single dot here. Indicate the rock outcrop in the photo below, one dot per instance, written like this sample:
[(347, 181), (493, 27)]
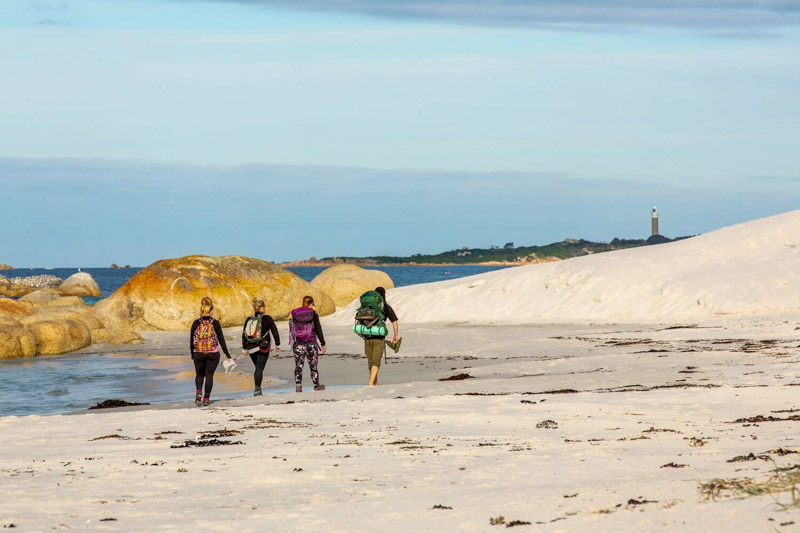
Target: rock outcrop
[(16, 287), (6, 267), (80, 284), (14, 309), (8, 321), (16, 341), (113, 337), (62, 336), (46, 281), (66, 301), (41, 296), (12, 290), (56, 313), (166, 295), (345, 283), (56, 326)]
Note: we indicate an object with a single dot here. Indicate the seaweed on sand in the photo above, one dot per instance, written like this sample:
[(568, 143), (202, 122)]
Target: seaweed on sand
[(457, 377), (115, 402), (206, 443)]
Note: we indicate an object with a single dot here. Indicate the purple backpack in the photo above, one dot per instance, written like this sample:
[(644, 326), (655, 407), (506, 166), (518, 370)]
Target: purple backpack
[(302, 325)]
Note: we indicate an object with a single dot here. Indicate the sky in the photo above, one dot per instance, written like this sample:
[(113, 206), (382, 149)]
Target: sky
[(133, 130)]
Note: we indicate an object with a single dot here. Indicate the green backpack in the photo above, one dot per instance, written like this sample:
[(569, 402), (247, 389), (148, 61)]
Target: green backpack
[(252, 329), (370, 320)]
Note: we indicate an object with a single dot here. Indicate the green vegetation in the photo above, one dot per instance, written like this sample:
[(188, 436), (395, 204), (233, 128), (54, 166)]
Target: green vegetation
[(508, 253), (781, 480)]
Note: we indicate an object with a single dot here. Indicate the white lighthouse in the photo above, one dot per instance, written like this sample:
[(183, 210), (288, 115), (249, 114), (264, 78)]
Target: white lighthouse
[(655, 221)]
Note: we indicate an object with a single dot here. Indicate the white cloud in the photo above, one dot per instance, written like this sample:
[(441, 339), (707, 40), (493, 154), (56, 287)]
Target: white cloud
[(570, 14)]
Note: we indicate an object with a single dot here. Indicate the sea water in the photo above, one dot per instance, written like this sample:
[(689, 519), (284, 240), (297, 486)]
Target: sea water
[(71, 382), (110, 279)]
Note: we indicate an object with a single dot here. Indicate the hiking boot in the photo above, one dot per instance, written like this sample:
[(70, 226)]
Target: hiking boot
[(395, 345), (198, 397), (298, 389), (319, 387), (257, 392), (206, 402)]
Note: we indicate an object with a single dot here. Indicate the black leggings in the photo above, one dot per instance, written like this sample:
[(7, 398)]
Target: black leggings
[(260, 361), (205, 364)]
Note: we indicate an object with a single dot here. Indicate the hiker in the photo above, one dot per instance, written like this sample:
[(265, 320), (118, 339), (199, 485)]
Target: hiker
[(256, 341), (205, 340), (374, 334), (307, 342)]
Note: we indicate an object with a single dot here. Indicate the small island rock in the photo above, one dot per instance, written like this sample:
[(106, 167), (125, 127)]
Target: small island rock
[(80, 284)]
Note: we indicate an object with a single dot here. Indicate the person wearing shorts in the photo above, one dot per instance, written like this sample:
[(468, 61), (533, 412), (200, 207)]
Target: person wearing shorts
[(374, 347)]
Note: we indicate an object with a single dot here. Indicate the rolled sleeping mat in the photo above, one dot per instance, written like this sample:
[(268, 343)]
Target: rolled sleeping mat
[(378, 330)]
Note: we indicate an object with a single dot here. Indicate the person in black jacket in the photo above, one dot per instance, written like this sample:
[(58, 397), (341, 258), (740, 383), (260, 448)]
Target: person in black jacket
[(259, 350), (205, 340)]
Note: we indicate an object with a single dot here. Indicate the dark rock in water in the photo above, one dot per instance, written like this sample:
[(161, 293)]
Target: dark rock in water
[(457, 377), (115, 402), (127, 267), (113, 266)]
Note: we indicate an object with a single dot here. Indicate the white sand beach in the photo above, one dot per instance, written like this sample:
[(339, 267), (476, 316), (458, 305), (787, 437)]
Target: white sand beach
[(615, 418)]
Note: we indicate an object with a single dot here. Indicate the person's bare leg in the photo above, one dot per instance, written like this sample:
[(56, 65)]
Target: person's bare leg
[(373, 376)]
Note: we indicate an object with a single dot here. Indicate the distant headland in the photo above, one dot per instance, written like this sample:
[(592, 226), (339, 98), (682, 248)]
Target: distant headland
[(506, 255)]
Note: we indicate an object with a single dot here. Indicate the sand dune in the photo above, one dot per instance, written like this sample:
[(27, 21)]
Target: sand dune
[(746, 269)]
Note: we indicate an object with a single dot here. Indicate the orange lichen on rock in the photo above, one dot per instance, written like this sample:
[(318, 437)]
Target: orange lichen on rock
[(14, 309), (166, 295)]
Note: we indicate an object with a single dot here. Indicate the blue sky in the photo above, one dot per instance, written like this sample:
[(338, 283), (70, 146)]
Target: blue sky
[(470, 124)]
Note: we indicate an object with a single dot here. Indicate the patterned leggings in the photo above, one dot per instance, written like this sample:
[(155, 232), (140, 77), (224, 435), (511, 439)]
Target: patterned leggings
[(301, 351)]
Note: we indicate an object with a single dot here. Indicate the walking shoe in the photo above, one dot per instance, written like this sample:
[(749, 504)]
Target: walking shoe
[(206, 402), (198, 397), (298, 389), (395, 345), (319, 387), (257, 392)]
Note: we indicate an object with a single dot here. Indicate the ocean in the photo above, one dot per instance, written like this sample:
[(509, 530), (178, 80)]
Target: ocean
[(110, 279), (72, 382)]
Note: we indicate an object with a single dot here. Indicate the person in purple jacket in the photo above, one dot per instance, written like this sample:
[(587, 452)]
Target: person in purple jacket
[(307, 342)]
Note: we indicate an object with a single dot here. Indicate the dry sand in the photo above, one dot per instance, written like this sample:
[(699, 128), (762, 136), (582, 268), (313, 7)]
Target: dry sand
[(568, 427)]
